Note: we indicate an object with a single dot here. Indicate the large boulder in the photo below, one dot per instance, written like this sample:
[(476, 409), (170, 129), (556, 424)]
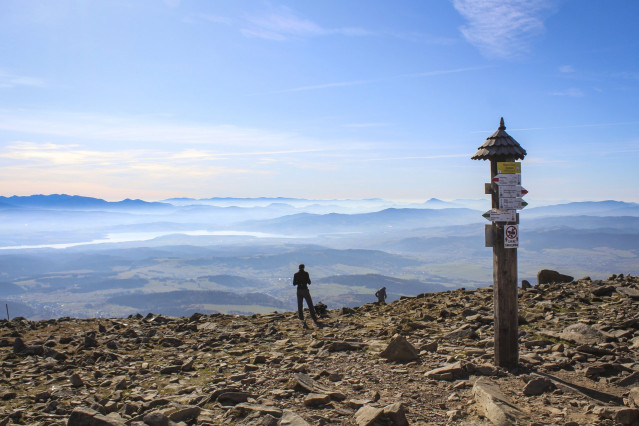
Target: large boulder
[(547, 276)]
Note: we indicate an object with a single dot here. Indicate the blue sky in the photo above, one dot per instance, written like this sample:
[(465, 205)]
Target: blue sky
[(316, 99)]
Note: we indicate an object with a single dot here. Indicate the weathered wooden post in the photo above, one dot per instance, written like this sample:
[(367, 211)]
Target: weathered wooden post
[(503, 236)]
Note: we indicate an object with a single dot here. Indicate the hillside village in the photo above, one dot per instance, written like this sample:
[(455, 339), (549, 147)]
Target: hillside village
[(419, 360)]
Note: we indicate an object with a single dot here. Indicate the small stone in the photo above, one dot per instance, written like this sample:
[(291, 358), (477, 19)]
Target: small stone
[(316, 399), (400, 350), (76, 380), (538, 386)]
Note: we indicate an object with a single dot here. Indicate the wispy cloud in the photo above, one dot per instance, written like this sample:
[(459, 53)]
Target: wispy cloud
[(90, 127), (366, 125), (323, 86), (372, 80), (572, 92), (283, 24), (446, 72), (502, 28), (628, 75), (567, 69), (419, 157), (8, 80), (76, 162)]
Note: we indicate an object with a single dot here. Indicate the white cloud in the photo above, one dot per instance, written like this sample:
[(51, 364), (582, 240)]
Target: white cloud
[(502, 28), (572, 92), (628, 75), (324, 86), (8, 80), (90, 127), (283, 24), (366, 125), (566, 69)]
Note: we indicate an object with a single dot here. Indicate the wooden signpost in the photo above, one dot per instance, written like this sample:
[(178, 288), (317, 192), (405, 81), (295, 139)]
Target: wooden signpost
[(503, 236)]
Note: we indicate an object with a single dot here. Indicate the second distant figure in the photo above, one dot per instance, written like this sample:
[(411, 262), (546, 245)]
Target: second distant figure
[(302, 280), (381, 295)]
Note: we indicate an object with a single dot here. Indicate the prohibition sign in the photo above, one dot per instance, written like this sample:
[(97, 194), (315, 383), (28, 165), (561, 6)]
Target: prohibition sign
[(511, 232)]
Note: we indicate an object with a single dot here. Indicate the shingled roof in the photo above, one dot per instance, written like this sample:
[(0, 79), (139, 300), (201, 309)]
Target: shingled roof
[(500, 146)]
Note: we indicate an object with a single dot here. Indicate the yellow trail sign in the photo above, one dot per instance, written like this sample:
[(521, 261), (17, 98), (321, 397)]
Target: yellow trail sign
[(508, 168)]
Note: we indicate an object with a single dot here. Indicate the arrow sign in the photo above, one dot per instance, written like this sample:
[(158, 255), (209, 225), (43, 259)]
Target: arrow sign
[(511, 179), (512, 203), (512, 191), (496, 215)]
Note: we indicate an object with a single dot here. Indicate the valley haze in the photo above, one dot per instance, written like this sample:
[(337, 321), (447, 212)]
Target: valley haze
[(63, 255)]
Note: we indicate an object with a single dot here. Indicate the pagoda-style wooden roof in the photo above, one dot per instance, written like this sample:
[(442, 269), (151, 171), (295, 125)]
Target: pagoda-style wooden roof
[(500, 146)]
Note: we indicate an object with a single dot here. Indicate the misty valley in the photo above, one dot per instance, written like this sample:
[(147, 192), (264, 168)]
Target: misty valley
[(83, 257)]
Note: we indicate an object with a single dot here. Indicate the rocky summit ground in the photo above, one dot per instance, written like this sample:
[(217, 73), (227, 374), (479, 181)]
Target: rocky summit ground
[(419, 360)]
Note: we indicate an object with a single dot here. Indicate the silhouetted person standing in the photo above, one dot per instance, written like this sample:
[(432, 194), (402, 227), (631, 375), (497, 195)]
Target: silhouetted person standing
[(381, 295), (302, 280)]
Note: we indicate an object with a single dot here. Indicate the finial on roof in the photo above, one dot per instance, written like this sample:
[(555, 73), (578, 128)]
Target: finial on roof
[(500, 146)]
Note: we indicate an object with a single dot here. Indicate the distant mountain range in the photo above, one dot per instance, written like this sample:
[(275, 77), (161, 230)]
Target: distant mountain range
[(387, 219), (74, 202), (588, 208)]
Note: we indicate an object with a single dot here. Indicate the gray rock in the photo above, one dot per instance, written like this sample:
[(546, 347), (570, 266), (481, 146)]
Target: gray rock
[(76, 380), (232, 398), (626, 416), (604, 290), (630, 292), (367, 415), (394, 414), (183, 414), (171, 342), (316, 399), (156, 418), (538, 386), (83, 416), (400, 350), (121, 383), (290, 418), (495, 406), (246, 408), (547, 276), (89, 340), (463, 332), (306, 383), (429, 347), (582, 334), (344, 346), (448, 372), (171, 369), (18, 345), (188, 364), (633, 396)]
